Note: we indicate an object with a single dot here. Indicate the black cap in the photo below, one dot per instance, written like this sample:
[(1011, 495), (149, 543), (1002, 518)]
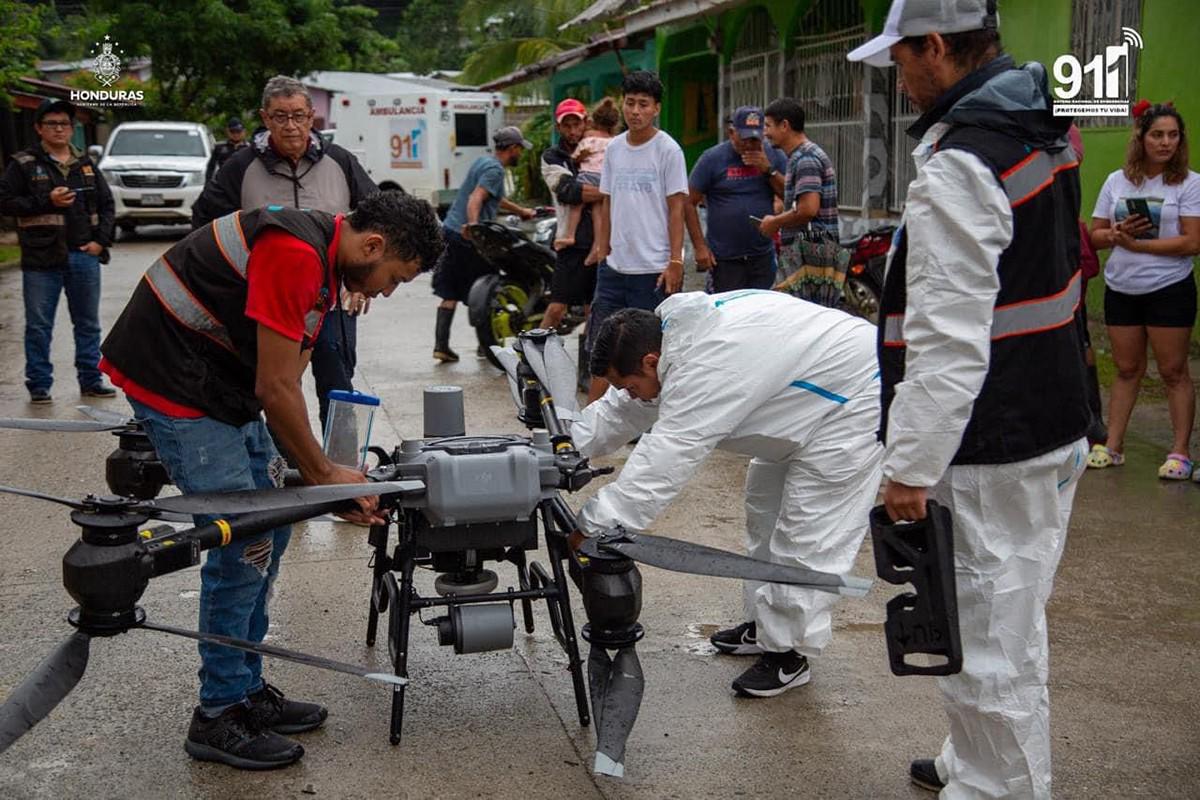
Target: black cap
[(52, 105), (234, 124)]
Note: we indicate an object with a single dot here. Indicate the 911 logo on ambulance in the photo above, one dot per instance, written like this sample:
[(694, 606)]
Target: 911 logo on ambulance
[(1109, 72)]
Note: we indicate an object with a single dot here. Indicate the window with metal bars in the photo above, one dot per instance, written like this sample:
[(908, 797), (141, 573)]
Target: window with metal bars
[(753, 76)]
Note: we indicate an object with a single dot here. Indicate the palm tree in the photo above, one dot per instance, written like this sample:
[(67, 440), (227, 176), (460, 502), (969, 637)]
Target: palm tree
[(516, 33)]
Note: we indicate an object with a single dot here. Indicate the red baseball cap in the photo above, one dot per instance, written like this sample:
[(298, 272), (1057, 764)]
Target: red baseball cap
[(568, 107)]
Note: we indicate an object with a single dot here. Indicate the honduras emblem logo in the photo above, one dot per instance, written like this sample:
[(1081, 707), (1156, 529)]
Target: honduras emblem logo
[(107, 65)]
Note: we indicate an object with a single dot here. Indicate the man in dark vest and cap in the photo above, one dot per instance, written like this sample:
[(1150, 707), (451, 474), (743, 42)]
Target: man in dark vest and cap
[(983, 387), (219, 331)]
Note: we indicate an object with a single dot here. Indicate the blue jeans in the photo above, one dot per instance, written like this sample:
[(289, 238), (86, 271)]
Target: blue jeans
[(204, 455), (80, 277), (617, 290), (332, 363)]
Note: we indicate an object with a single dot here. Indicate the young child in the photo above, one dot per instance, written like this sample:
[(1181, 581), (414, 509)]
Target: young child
[(589, 155)]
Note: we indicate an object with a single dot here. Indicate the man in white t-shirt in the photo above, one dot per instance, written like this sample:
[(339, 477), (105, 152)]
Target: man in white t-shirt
[(639, 223)]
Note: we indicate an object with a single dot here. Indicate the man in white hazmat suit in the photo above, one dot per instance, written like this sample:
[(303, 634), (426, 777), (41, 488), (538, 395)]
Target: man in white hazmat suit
[(792, 384), (983, 388)]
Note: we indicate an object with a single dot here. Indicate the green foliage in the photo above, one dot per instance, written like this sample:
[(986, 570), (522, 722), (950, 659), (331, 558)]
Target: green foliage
[(511, 34), (19, 45), (528, 172), (429, 36), (212, 57)]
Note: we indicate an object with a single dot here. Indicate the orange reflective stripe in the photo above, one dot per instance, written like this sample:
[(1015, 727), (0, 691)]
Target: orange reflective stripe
[(181, 304), (1014, 319), (1041, 314), (893, 330), (227, 231), (1028, 177)]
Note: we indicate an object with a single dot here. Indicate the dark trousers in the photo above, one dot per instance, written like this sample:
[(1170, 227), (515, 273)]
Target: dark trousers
[(333, 360), (744, 272)]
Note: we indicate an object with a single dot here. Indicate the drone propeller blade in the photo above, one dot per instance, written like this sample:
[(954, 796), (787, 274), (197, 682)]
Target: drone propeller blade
[(46, 686), (280, 652), (76, 504), (63, 425), (509, 359), (106, 416), (680, 556), (555, 369), (273, 499), (616, 687)]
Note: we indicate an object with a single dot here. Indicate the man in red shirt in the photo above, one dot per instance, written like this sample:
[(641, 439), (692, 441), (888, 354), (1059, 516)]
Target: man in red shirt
[(219, 331)]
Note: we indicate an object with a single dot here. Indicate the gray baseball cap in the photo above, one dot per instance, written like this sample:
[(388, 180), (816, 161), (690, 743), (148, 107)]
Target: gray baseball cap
[(507, 137), (919, 17)]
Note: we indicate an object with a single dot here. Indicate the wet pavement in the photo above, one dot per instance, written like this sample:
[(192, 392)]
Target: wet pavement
[(1124, 627)]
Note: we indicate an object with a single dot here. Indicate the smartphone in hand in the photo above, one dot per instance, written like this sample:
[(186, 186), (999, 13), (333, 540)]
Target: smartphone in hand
[(756, 221), (1141, 207)]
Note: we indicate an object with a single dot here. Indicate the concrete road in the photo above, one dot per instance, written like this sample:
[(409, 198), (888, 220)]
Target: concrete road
[(1125, 627)]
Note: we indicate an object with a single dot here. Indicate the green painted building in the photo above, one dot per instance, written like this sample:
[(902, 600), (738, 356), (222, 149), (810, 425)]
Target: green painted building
[(715, 55)]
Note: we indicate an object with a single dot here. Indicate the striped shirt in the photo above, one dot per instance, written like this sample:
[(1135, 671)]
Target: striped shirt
[(810, 170)]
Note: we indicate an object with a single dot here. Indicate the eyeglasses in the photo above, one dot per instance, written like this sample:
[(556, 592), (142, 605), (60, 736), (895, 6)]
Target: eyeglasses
[(298, 118), (57, 124)]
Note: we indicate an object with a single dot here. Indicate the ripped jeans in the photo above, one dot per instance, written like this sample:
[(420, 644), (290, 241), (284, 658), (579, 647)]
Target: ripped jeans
[(204, 455)]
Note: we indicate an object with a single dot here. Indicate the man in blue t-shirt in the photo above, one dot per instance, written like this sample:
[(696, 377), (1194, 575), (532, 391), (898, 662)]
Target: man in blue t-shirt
[(738, 180), (478, 200)]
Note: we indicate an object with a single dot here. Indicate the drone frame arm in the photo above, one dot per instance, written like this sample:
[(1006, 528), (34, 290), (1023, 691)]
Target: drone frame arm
[(181, 550)]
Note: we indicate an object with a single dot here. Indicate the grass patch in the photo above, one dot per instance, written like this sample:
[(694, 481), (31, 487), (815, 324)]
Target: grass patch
[(10, 255)]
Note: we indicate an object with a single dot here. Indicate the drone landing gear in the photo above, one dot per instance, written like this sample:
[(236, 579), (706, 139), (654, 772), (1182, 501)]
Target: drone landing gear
[(477, 618)]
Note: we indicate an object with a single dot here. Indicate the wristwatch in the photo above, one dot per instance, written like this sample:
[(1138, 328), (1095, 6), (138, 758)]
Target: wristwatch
[(772, 172)]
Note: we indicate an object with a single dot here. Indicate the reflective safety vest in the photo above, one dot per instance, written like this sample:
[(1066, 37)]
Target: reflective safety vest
[(1032, 400), (185, 335)]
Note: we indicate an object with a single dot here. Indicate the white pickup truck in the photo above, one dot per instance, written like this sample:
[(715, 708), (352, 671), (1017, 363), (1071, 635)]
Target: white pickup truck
[(156, 171)]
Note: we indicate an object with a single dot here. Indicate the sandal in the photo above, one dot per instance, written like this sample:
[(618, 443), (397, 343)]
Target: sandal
[(1103, 458), (1177, 467)]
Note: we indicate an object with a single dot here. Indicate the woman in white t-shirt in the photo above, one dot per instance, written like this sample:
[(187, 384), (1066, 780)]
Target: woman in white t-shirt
[(1149, 214)]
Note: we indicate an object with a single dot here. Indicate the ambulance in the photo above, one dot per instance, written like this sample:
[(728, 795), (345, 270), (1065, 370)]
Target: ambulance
[(418, 134)]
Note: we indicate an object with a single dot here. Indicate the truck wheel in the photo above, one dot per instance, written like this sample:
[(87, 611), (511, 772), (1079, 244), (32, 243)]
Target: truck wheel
[(127, 229)]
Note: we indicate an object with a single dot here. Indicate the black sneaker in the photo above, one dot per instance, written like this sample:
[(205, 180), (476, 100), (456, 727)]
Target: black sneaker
[(234, 738), (923, 773), (40, 397), (445, 355), (99, 390), (272, 711), (739, 641), (774, 674)]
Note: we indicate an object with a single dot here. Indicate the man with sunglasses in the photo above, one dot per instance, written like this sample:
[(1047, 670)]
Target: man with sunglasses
[(287, 164), (65, 217)]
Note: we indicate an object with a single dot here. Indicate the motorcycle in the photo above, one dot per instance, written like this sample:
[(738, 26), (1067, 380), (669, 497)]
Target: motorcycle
[(864, 275), (513, 297)]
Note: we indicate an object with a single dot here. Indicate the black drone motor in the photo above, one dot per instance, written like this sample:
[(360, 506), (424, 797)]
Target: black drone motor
[(611, 587), (107, 569), (133, 469)]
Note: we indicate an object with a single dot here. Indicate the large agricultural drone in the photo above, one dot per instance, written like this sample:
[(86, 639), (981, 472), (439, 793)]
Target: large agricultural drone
[(456, 502)]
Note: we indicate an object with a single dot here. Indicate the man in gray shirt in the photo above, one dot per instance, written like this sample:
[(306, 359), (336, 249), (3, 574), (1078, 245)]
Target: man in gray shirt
[(288, 165)]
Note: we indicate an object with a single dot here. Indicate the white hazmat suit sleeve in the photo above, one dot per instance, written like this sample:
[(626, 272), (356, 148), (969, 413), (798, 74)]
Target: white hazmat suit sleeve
[(611, 422), (958, 221), (701, 403)]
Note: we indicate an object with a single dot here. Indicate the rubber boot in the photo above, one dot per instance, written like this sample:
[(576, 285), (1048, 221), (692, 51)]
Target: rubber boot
[(1097, 432), (441, 341)]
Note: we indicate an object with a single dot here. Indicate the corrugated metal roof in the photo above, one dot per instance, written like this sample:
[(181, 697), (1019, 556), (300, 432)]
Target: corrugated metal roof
[(559, 60), (598, 10)]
